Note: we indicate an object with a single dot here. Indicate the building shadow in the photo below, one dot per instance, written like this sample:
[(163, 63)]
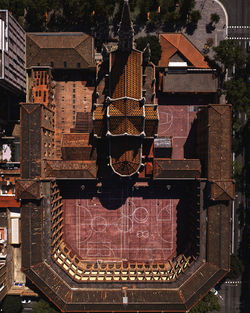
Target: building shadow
[(190, 144)]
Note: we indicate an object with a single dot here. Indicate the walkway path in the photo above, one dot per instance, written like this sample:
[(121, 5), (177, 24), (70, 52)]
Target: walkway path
[(200, 35)]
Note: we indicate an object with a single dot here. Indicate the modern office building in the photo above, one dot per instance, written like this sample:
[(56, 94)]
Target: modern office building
[(12, 91), (12, 53)]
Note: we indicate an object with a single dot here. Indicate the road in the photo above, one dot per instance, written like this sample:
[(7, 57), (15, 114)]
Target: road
[(238, 12), (238, 20), (229, 296)]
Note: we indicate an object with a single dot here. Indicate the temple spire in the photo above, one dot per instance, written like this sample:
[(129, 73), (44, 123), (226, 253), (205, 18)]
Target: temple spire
[(126, 30)]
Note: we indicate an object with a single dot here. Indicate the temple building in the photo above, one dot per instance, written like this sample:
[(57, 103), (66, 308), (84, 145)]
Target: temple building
[(125, 182)]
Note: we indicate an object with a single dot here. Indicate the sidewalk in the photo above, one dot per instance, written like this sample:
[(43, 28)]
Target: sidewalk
[(200, 35)]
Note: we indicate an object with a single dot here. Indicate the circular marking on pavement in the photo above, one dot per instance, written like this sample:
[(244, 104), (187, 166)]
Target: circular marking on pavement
[(99, 224), (125, 224), (141, 215)]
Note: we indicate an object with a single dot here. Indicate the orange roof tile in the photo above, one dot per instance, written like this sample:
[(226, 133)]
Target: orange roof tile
[(125, 80), (9, 202), (171, 43)]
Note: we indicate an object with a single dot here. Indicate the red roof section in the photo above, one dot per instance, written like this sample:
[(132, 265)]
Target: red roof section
[(172, 43), (9, 202)]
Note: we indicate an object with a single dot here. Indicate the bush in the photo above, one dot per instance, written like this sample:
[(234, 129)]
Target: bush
[(154, 46), (12, 304)]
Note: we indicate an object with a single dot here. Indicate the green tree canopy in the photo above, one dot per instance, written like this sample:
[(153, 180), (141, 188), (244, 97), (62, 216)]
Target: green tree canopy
[(236, 267), (208, 304), (44, 307), (214, 18), (230, 54), (12, 304), (238, 94), (195, 16), (154, 46), (85, 15)]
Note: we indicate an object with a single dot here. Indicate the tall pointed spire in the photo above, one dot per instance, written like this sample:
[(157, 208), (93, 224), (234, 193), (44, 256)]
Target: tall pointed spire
[(126, 30)]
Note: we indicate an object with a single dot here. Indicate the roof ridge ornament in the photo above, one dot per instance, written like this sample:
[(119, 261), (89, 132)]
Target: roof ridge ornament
[(126, 30)]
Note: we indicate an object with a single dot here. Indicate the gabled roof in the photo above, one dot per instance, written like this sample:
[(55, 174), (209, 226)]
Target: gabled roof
[(125, 76), (73, 48), (174, 43), (222, 190)]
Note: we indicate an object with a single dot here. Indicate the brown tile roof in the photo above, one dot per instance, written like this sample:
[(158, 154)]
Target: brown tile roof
[(222, 190), (84, 123), (77, 147), (126, 74), (57, 40), (164, 168), (28, 189), (71, 169), (73, 48), (214, 141), (172, 43), (190, 82)]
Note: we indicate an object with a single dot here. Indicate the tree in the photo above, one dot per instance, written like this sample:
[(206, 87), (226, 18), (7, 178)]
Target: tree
[(186, 7), (43, 307), (12, 304), (230, 54), (238, 94), (195, 16), (208, 304), (236, 267), (214, 18), (154, 46)]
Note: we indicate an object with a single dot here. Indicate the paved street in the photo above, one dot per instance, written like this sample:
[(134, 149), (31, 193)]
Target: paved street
[(229, 296), (239, 20), (238, 12)]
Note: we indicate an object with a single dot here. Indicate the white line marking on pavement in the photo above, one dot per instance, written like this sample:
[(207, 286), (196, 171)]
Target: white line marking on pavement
[(239, 38), (225, 12)]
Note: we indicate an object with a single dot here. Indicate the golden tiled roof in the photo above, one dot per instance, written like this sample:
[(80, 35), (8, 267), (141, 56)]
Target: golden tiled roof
[(99, 112), (151, 112), (132, 125), (126, 80), (125, 116), (151, 120), (127, 107)]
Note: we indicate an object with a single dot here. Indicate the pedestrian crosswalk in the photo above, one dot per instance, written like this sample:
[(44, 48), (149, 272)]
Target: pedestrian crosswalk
[(238, 26), (233, 282), (239, 38)]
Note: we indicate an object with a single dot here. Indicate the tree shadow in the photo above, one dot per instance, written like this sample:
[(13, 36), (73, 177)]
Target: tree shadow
[(190, 28), (210, 28)]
